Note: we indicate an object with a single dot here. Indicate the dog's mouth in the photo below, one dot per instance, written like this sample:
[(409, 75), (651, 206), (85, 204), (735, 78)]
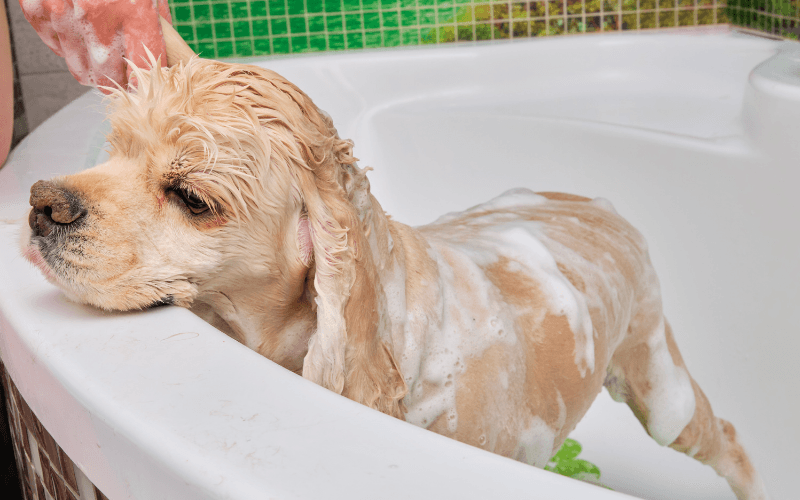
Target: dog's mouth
[(48, 259), (33, 254)]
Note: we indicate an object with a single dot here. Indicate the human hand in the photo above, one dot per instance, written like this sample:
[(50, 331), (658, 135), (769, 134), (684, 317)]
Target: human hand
[(94, 36)]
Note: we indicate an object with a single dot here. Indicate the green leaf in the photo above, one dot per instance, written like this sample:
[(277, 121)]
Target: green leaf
[(566, 463), (569, 450), (572, 468)]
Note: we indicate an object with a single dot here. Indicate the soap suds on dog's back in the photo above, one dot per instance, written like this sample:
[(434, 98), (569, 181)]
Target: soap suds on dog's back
[(473, 323)]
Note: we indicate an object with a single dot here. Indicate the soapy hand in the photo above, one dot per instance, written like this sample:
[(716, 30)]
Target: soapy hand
[(93, 36)]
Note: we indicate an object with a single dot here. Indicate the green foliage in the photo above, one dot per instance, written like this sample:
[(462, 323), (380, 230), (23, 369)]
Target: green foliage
[(771, 16), (567, 463), (225, 28)]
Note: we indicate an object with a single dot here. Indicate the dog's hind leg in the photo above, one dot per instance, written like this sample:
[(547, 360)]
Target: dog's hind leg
[(648, 373)]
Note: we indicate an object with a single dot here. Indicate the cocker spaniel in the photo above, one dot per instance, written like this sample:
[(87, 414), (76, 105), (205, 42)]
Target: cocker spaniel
[(228, 192)]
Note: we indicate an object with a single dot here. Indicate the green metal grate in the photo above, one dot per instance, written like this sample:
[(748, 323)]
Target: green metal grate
[(228, 28), (776, 17)]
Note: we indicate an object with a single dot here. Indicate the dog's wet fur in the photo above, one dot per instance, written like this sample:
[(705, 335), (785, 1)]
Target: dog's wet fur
[(228, 192)]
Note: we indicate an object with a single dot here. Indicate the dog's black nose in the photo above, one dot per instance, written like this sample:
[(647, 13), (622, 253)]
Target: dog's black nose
[(53, 206)]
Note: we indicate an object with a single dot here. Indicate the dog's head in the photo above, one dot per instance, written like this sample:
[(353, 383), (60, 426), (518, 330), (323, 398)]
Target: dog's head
[(224, 177)]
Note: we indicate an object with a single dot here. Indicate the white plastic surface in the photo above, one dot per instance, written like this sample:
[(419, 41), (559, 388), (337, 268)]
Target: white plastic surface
[(161, 405), (772, 103)]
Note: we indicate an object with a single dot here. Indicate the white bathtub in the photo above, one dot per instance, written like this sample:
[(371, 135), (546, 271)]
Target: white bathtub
[(693, 139)]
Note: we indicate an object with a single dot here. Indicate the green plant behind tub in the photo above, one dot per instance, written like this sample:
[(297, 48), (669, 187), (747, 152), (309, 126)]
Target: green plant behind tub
[(241, 28), (567, 463)]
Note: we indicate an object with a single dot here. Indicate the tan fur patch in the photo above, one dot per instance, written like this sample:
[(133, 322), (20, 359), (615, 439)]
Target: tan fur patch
[(549, 347)]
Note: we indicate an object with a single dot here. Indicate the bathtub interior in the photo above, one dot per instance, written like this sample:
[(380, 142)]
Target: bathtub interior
[(658, 124), (662, 133)]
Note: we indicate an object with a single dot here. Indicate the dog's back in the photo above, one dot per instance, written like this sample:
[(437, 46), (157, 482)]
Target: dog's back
[(521, 309), (533, 293)]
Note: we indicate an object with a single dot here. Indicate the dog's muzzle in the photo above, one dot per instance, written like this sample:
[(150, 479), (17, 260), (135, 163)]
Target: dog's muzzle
[(53, 207)]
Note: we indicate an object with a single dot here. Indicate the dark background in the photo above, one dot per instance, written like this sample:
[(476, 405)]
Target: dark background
[(9, 479)]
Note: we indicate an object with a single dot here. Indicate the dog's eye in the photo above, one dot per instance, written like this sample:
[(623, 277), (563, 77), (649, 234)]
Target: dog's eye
[(191, 200)]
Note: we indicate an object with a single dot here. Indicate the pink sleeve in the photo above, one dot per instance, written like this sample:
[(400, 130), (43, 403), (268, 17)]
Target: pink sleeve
[(6, 88)]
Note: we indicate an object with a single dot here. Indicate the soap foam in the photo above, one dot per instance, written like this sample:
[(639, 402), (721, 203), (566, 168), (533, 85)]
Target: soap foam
[(509, 200), (32, 7), (604, 204), (521, 241), (472, 315), (70, 35), (670, 401), (461, 334), (536, 443)]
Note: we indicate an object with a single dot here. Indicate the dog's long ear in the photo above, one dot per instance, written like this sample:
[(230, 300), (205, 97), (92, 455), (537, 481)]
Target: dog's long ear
[(346, 354)]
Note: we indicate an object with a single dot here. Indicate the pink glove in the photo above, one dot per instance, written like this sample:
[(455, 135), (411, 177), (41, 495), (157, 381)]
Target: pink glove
[(93, 36)]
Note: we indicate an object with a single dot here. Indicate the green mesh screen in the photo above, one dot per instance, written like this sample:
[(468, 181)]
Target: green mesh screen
[(777, 17), (228, 28)]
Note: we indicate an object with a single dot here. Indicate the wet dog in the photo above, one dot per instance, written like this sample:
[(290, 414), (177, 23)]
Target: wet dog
[(228, 192)]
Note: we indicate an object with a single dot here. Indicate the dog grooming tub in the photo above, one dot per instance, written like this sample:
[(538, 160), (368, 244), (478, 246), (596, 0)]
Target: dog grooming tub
[(694, 137)]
